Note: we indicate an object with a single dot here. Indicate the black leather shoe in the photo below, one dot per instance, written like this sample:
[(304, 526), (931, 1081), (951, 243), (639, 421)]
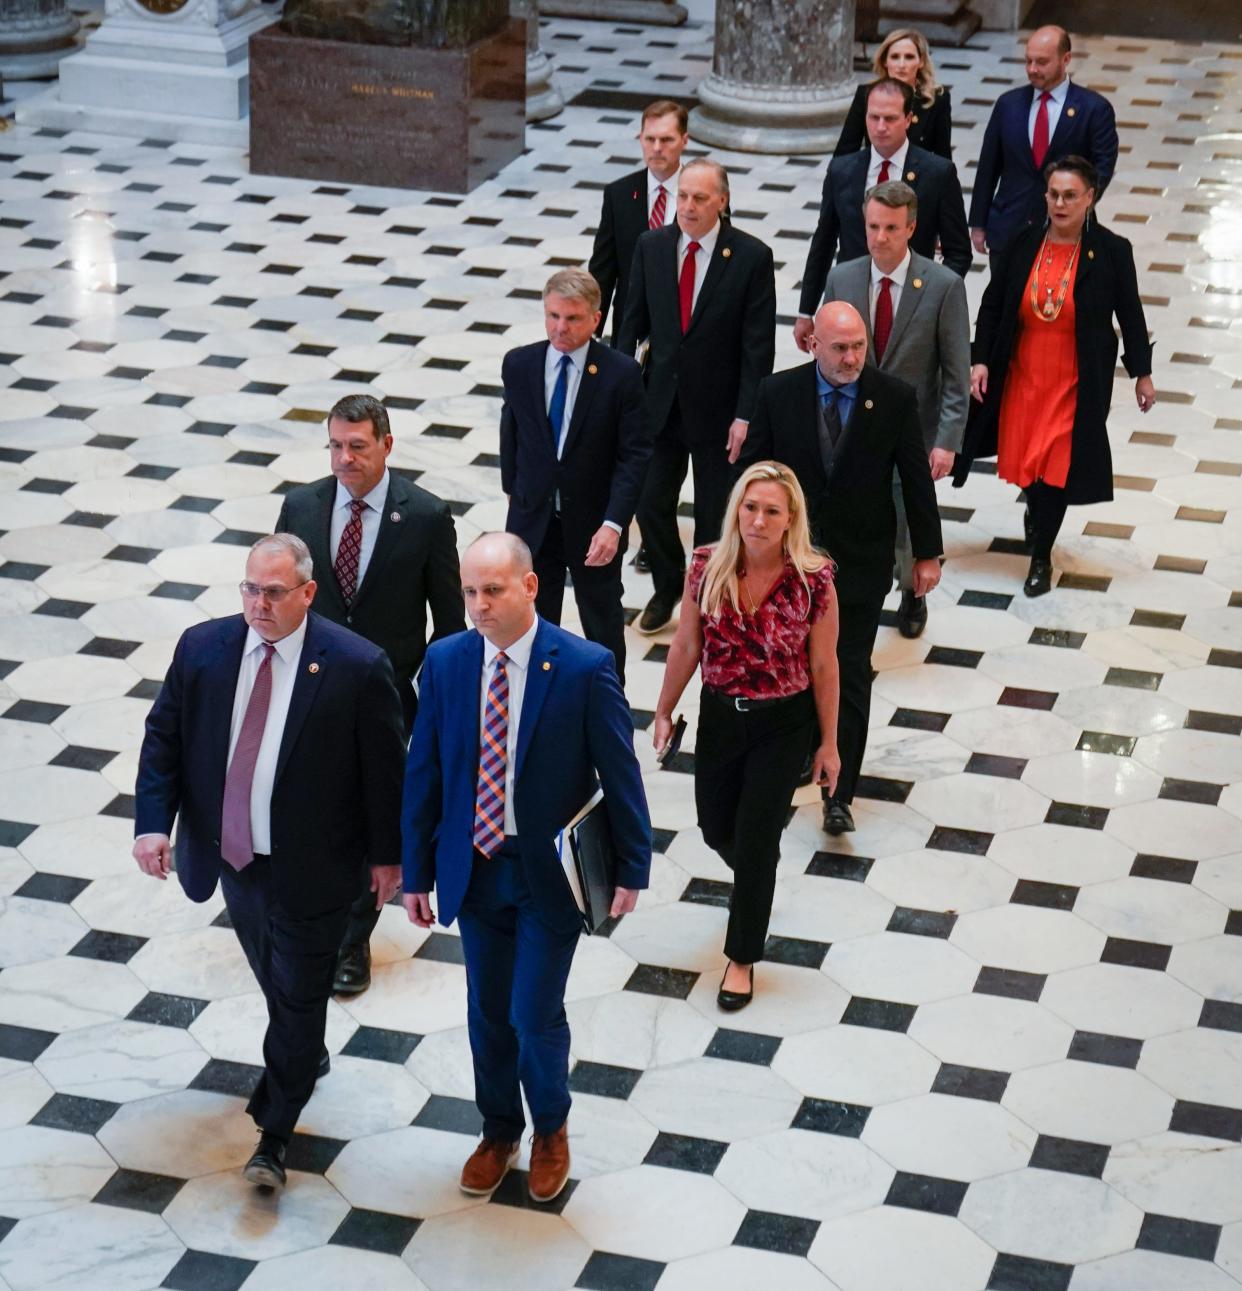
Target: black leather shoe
[(325, 1066), (353, 969), (731, 1001), (1038, 578), (911, 615), (266, 1168), (1028, 526), (657, 615), (640, 562), (838, 819)]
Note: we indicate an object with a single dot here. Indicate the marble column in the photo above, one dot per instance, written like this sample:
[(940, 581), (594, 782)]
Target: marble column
[(659, 13), (34, 36), (943, 22), (782, 76), (543, 99)]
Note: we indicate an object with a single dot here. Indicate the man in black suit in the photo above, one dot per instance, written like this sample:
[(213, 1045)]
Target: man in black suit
[(386, 551), (844, 428), (704, 293), (275, 743), (645, 199), (841, 231), (574, 446)]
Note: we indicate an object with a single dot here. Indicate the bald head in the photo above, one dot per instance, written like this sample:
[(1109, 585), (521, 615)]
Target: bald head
[(499, 586), (1047, 57), (839, 342), (496, 548)]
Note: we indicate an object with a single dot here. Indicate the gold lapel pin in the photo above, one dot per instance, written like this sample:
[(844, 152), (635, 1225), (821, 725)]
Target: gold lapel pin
[(918, 282), (592, 369), (727, 252), (395, 517), (547, 667), (868, 404), (1069, 112), (314, 668), (1090, 255), (910, 175), (915, 119)]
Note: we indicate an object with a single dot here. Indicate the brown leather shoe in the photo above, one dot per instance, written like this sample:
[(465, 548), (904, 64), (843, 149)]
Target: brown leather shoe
[(549, 1164), (488, 1165)]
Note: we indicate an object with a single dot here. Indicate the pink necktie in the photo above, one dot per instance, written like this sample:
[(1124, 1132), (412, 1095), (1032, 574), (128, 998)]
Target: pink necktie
[(236, 842), (1039, 140), (685, 287), (657, 211)]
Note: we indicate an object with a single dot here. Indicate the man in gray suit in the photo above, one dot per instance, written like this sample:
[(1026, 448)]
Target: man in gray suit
[(918, 329)]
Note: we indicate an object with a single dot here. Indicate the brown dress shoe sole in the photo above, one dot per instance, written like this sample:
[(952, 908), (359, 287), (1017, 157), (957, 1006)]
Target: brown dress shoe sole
[(487, 1192), (552, 1196)]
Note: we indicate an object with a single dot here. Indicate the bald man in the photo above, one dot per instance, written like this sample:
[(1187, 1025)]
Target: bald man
[(489, 788), (844, 427), (1031, 127)]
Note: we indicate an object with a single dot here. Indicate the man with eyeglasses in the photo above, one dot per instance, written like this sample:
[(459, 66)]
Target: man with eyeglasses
[(386, 551), (276, 744)]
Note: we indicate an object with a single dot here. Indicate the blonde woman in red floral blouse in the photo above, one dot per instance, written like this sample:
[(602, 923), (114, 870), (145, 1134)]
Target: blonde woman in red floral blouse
[(759, 616)]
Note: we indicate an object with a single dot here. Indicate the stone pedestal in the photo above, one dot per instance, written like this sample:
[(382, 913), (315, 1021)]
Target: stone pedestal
[(543, 99), (782, 76), (659, 13), (162, 69), (943, 22), (364, 114), (34, 36), (1002, 15)]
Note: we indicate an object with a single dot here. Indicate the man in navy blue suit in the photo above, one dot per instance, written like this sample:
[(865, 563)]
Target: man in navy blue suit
[(1029, 127), (518, 724), (276, 743), (574, 446)]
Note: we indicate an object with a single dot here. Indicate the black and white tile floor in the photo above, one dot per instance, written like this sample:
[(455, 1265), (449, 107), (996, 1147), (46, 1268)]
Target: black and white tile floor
[(999, 1039)]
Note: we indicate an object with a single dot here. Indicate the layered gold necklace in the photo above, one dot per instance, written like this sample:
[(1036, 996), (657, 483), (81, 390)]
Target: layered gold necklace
[(1047, 299)]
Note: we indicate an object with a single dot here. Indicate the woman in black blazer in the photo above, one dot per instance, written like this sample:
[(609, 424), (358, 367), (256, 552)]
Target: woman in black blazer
[(1044, 355), (905, 56)]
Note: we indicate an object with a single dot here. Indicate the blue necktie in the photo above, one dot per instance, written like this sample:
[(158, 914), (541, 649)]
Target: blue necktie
[(556, 409)]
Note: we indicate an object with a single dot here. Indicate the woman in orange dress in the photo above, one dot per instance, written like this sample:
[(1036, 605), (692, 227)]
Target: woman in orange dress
[(1044, 356)]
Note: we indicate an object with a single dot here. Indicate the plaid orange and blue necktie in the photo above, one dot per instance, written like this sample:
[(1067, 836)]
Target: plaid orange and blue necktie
[(489, 808)]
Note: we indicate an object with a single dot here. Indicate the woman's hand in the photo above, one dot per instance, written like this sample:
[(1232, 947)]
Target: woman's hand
[(826, 767), (661, 732), (1145, 393), (978, 382)]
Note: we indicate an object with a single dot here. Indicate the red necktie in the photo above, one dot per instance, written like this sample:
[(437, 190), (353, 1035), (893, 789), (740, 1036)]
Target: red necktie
[(489, 803), (685, 287), (348, 552), (236, 841), (1039, 140), (883, 176), (883, 317), (657, 211)]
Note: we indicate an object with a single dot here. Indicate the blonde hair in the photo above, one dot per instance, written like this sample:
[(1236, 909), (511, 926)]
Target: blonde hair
[(720, 576), (926, 87)]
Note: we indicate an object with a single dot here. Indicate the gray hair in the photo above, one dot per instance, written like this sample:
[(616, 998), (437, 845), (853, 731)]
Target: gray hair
[(290, 545), (722, 175), (518, 551), (573, 284), (895, 194)]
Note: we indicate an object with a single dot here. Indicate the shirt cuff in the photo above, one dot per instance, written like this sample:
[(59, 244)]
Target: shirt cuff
[(152, 833), (810, 316), (611, 524)]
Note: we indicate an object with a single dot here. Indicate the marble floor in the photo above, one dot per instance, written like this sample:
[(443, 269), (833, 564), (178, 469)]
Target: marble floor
[(998, 1041)]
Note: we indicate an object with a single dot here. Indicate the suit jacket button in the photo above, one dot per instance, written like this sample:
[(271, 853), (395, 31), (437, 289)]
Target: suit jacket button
[(349, 618)]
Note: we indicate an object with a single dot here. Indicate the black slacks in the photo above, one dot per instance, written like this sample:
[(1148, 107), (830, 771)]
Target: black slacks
[(746, 768), (657, 506), (294, 959), (859, 621), (597, 589)]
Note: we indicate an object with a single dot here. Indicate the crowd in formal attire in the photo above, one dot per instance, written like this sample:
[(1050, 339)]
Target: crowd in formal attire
[(317, 754)]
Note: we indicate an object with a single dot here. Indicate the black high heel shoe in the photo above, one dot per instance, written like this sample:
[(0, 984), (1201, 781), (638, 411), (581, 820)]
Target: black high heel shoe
[(1038, 578), (731, 1001)]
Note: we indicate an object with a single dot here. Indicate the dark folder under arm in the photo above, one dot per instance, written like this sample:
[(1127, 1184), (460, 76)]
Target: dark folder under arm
[(591, 865)]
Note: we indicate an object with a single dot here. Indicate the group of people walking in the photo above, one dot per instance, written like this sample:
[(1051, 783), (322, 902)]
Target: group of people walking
[(318, 755)]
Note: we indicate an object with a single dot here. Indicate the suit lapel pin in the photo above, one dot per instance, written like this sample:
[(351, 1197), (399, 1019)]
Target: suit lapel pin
[(868, 404), (1090, 255), (313, 669), (1069, 112), (547, 667), (727, 252), (910, 176), (918, 282), (634, 195), (915, 119), (592, 369), (395, 517)]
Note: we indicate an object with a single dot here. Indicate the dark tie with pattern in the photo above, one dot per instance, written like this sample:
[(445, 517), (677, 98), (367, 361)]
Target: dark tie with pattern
[(236, 841), (658, 209), (348, 552), (832, 417), (489, 803)]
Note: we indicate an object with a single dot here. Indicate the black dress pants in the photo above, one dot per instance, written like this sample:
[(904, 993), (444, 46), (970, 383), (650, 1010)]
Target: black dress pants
[(859, 621), (746, 768), (294, 959), (597, 589)]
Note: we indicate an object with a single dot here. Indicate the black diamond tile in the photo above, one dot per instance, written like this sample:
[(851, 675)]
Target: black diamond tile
[(1208, 1120), (514, 1191), (1221, 723), (795, 951), (882, 1015), (68, 1112), (1019, 697), (766, 1231), (1011, 983), (134, 555), (136, 1190), (1051, 896), (682, 1152), (651, 979), (1191, 791), (926, 1192), (56, 607), (179, 591), (456, 1115), (222, 1077), (22, 570), (605, 1271), (970, 1082), (32, 710), (206, 1271), (1108, 1050), (1076, 814), (147, 689), (111, 947), (1233, 924), (122, 807), (1171, 869), (82, 759), (917, 719), (746, 1046), (603, 1079), (441, 948), (1136, 954), (109, 648), (883, 789), (715, 892), (996, 765), (922, 923), (954, 657), (837, 865), (92, 519), (23, 1044), (381, 1044), (373, 1230), (312, 1153), (1070, 1156), (13, 833), (1186, 1237), (53, 887), (1024, 1273), (6, 1226), (1121, 746), (222, 920), (1134, 678), (1221, 1015), (973, 842), (826, 1116), (1057, 637)]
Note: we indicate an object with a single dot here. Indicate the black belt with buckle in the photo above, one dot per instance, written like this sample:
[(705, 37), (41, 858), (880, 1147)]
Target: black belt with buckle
[(743, 704)]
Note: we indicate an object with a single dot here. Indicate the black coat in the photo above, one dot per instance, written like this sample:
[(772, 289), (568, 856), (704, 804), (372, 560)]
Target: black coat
[(714, 370), (931, 128), (1105, 284), (622, 221), (841, 232), (852, 513), (601, 468)]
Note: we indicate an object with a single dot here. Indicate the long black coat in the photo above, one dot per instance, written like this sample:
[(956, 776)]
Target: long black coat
[(1105, 284), (931, 127)]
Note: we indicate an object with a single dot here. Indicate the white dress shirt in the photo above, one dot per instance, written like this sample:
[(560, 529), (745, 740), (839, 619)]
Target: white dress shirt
[(1056, 102), (702, 258), (285, 660), (518, 657), (371, 518), (897, 280), (670, 201), (896, 165), (551, 371)]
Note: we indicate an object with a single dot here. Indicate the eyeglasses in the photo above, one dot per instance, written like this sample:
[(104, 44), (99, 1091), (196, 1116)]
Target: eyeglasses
[(275, 593)]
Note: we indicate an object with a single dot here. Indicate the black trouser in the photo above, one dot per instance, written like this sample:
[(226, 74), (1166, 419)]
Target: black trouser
[(657, 507), (858, 623), (294, 959), (1046, 504), (746, 768), (597, 589)]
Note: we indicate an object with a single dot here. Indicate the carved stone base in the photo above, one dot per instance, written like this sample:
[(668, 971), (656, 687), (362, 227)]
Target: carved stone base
[(768, 118), (943, 22), (543, 99), (34, 36), (657, 13)]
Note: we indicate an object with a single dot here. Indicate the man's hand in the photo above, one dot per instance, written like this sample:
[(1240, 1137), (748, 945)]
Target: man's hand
[(926, 575), (603, 549), (737, 437), (941, 462), (978, 382), (153, 853), (979, 240), (623, 901), (802, 332), (1145, 393), (385, 883), (418, 908)]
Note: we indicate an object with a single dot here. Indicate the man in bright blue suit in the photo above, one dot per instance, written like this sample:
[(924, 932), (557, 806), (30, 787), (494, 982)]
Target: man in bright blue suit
[(1030, 127), (518, 724)]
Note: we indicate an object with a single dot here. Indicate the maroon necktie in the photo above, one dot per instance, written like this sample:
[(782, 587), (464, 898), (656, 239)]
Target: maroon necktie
[(345, 567), (685, 287), (883, 328), (1039, 140), (657, 211), (236, 842), (882, 178)]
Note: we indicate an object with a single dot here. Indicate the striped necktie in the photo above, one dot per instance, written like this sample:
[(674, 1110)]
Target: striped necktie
[(489, 807), (658, 208)]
